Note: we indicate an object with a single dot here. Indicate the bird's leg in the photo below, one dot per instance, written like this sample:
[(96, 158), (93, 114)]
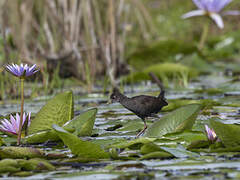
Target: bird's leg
[(142, 131)]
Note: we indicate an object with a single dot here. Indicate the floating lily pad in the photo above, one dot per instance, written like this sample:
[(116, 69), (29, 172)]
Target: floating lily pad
[(41, 137), (9, 166), (134, 144), (180, 152), (150, 147), (20, 152), (83, 123), (198, 144), (229, 134), (177, 103), (132, 126), (58, 110), (80, 148), (188, 136), (35, 164), (157, 155), (179, 120)]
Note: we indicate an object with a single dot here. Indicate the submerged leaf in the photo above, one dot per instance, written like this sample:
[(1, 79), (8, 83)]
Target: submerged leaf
[(229, 134), (58, 110), (181, 119), (84, 149)]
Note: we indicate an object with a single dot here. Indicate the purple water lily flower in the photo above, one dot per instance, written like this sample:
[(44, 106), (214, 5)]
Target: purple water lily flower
[(212, 136), (21, 71), (211, 8), (12, 126)]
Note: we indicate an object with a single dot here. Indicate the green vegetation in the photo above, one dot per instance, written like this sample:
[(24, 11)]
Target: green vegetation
[(84, 48)]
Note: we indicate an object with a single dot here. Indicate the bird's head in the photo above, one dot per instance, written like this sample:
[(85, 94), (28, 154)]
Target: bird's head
[(115, 96)]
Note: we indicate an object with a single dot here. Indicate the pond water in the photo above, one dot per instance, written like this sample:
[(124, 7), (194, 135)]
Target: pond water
[(115, 124)]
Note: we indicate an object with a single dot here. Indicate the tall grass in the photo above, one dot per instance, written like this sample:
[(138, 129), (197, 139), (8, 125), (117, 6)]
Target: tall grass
[(89, 36)]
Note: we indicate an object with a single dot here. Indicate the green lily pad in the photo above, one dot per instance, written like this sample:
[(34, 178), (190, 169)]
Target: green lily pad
[(58, 110), (198, 144), (149, 148), (83, 123), (179, 120), (132, 126), (80, 148), (177, 103), (229, 134), (35, 164), (9, 166), (180, 152), (20, 152), (188, 136), (41, 137), (157, 155), (133, 144)]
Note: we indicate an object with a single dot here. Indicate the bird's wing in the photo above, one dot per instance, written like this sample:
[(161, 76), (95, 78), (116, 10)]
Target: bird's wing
[(145, 104)]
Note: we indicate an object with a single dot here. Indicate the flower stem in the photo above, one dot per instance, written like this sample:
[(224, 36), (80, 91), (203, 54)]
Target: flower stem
[(203, 36), (21, 116)]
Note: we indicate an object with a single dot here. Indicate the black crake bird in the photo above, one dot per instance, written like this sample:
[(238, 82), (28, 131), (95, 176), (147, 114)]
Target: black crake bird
[(143, 106)]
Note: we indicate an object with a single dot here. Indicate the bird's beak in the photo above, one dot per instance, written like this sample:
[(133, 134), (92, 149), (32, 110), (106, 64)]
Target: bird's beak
[(109, 102)]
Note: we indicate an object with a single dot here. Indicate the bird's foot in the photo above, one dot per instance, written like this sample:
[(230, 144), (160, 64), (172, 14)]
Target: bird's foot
[(142, 131)]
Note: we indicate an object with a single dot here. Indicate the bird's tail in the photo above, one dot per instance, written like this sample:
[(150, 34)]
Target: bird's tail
[(159, 83)]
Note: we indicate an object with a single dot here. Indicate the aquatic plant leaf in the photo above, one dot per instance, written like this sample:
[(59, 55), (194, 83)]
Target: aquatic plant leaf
[(58, 110), (83, 123), (179, 120), (149, 148), (20, 152), (132, 126), (177, 103), (229, 134), (188, 136), (133, 144), (180, 152), (35, 164), (198, 144), (41, 137), (84, 149), (9, 166), (157, 155)]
